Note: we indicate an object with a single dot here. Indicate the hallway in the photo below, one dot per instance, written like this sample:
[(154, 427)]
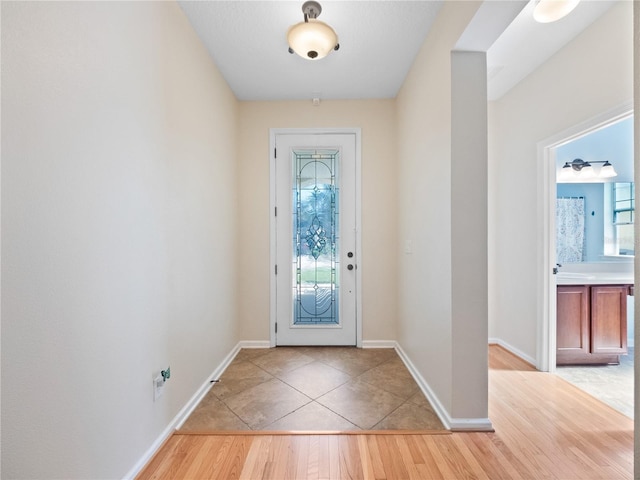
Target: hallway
[(314, 389)]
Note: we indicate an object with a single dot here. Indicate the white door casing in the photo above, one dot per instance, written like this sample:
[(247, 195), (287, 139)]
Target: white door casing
[(546, 293), (340, 324)]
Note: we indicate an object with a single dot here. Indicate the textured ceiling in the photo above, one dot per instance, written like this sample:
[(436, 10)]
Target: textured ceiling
[(379, 41)]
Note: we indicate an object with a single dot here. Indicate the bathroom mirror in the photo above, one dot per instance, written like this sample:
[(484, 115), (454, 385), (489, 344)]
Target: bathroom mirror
[(594, 222)]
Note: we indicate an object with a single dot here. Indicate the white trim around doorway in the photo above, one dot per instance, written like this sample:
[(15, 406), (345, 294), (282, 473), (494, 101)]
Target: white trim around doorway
[(546, 291), (272, 224)]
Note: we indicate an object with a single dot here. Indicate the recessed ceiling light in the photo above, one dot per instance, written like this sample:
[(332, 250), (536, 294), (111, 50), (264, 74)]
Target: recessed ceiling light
[(547, 11)]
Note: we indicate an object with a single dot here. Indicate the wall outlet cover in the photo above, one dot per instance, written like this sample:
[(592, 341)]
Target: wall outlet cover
[(158, 387)]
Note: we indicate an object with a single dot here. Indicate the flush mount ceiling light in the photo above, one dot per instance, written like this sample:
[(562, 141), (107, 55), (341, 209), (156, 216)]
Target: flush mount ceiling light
[(547, 11), (312, 39), (579, 170)]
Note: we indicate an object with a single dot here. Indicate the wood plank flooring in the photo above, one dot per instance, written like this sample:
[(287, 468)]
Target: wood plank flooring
[(544, 428)]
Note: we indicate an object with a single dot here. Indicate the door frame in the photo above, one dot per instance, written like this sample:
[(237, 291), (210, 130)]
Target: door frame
[(546, 338), (273, 132)]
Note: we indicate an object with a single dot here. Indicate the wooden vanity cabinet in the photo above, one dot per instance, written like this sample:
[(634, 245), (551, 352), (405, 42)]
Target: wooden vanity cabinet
[(609, 319), (591, 324), (573, 318)]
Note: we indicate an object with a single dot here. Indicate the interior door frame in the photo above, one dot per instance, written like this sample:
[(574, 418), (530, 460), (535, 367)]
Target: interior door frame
[(273, 132), (547, 321)]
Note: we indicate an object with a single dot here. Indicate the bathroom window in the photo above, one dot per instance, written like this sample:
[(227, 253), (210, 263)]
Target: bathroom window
[(623, 198)]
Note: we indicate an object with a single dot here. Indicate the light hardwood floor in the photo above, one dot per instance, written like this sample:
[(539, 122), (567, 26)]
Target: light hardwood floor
[(544, 428)]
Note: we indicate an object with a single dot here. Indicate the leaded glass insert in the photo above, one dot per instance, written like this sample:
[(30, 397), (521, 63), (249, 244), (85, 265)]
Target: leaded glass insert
[(315, 237)]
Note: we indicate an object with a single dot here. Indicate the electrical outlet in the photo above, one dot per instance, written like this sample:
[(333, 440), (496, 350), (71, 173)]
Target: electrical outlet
[(158, 387)]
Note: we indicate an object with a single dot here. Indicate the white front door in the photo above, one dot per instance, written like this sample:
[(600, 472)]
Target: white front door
[(315, 239)]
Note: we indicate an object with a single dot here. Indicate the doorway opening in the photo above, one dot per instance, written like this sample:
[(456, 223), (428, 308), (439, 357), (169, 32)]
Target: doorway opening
[(589, 241)]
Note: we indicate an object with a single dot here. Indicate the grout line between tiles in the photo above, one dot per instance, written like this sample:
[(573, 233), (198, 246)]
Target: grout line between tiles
[(351, 378)]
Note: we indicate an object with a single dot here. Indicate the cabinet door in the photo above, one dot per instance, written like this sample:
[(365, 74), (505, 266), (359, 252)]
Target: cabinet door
[(572, 322), (609, 319)]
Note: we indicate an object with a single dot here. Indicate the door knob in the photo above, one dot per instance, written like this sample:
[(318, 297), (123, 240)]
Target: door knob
[(349, 267), (350, 254)]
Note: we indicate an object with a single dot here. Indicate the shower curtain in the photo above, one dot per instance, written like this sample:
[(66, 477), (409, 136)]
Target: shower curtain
[(570, 236)]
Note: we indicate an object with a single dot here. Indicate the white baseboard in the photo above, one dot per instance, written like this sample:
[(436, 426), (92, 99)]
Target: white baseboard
[(148, 455), (514, 350), (206, 386), (379, 344), (424, 387), (453, 424), (254, 344), (184, 413), (471, 425)]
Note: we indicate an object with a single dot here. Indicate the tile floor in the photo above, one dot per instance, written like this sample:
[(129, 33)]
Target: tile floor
[(611, 384), (314, 389)]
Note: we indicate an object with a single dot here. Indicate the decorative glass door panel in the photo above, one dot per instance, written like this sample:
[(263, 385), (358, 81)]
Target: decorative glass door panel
[(315, 277), (316, 237)]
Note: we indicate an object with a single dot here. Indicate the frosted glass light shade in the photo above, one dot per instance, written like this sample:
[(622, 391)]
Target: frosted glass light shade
[(547, 11), (607, 171), (312, 40), (587, 173), (566, 173)]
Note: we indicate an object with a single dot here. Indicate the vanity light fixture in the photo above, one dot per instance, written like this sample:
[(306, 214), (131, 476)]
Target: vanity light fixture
[(312, 39), (580, 170), (547, 11)]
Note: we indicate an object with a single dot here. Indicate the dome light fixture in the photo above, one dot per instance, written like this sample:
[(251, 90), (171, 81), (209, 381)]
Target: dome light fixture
[(312, 39), (580, 171), (547, 11)]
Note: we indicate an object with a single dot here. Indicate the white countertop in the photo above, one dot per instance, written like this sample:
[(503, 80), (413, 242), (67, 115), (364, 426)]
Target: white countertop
[(596, 278), (596, 273)]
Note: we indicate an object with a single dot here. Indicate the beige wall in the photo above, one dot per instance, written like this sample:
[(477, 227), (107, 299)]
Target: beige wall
[(376, 118), (424, 209), (118, 233), (592, 74)]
